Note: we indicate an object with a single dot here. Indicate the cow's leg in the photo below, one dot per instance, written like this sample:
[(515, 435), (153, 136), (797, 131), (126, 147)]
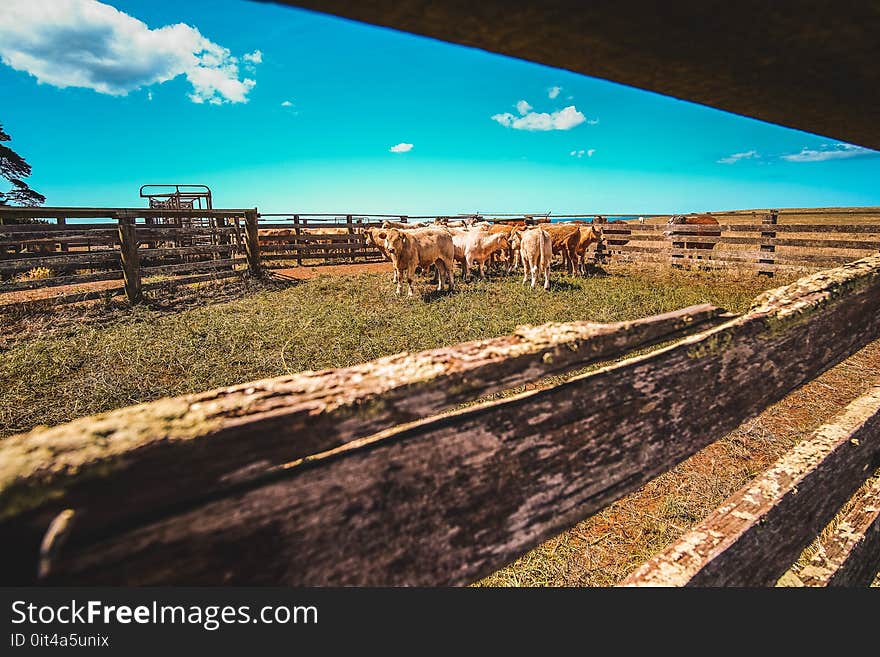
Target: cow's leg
[(410, 273), (534, 269), (468, 266), (546, 277), (450, 274), (398, 280), (440, 268), (525, 269)]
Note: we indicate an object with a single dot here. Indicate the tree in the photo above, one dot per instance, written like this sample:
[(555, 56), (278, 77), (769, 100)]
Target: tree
[(13, 167)]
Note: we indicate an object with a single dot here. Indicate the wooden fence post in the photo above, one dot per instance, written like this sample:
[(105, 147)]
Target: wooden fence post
[(350, 226), (62, 221), (297, 243), (131, 259), (768, 248), (252, 243)]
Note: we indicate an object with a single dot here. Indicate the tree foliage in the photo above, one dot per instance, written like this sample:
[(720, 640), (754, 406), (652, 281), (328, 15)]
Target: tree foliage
[(14, 167)]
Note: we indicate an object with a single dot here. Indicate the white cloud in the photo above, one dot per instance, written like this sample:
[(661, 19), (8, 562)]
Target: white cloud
[(523, 107), (552, 92), (736, 157), (564, 119), (149, 95), (85, 43), (255, 57), (286, 103), (580, 154), (825, 152), (590, 152), (402, 147)]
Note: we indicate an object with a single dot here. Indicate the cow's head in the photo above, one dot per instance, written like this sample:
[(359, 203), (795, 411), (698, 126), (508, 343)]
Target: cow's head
[(395, 240)]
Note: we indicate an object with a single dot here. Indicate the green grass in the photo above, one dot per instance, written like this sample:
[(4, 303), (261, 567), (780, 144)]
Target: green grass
[(86, 366)]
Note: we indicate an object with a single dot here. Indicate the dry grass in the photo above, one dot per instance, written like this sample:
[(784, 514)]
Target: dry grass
[(35, 274), (55, 368)]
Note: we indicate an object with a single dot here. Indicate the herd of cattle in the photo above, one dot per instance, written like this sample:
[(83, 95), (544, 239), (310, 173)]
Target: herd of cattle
[(484, 245)]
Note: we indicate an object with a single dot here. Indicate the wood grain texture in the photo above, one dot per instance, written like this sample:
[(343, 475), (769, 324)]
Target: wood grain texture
[(850, 555), (257, 427), (442, 500), (756, 534)]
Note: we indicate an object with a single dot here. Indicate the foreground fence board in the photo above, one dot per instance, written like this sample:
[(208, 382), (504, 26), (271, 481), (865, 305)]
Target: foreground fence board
[(448, 499), (777, 514), (851, 554), (283, 420)]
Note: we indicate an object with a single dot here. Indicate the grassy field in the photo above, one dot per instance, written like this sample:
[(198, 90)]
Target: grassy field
[(55, 368)]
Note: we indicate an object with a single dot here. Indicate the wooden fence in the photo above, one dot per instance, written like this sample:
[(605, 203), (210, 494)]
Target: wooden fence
[(765, 245), (376, 474), (133, 245), (137, 247)]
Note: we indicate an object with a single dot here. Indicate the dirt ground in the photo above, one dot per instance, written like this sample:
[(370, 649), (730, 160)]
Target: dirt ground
[(299, 273)]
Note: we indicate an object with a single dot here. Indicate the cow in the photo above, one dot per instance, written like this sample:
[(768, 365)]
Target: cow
[(401, 225), (477, 246), (564, 238), (275, 235), (588, 235), (536, 253), (421, 247)]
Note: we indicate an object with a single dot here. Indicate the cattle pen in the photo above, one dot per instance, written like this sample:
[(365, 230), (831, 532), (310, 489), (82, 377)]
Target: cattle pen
[(146, 248), (410, 469)]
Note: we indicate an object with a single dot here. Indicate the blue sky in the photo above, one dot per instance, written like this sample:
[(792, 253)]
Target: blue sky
[(104, 120)]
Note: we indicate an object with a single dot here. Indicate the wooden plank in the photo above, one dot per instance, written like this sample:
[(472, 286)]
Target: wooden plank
[(48, 230), (863, 245), (193, 266), (441, 500), (55, 281), (641, 249), (96, 237), (160, 232), (756, 534), (187, 250), (813, 260), (68, 260), (717, 254), (828, 228), (264, 424), (851, 553)]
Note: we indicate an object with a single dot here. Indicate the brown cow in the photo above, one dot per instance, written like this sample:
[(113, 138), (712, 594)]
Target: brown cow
[(693, 220), (420, 247), (565, 238), (588, 235)]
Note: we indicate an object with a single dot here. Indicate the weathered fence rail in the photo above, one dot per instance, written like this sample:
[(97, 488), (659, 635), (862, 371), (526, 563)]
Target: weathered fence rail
[(371, 475)]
